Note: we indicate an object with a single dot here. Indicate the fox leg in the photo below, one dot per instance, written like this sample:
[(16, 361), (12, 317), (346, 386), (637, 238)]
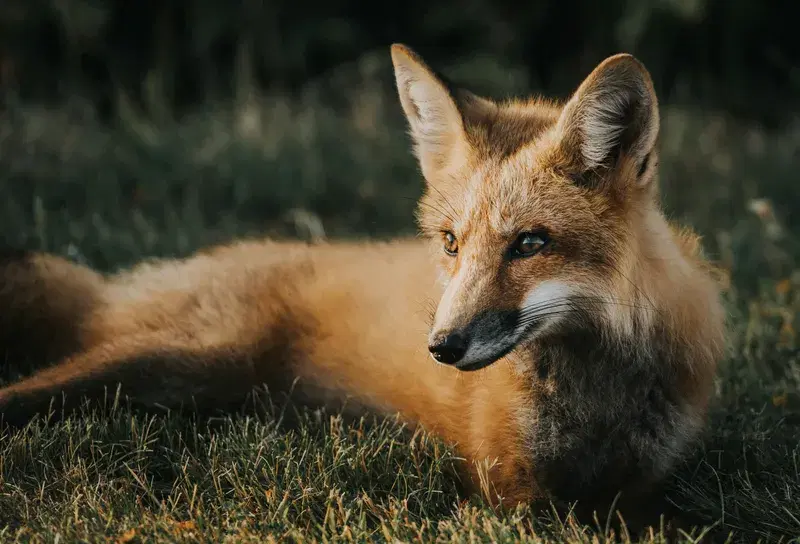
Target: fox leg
[(153, 370), (45, 301)]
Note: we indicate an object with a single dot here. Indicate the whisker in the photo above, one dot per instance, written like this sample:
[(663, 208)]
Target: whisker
[(532, 310), (534, 319), (444, 199), (542, 317), (589, 300), (586, 299), (565, 306), (439, 210), (636, 287), (561, 306)]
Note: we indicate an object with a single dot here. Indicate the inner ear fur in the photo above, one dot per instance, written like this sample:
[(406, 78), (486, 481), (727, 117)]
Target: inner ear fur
[(611, 122), (435, 122)]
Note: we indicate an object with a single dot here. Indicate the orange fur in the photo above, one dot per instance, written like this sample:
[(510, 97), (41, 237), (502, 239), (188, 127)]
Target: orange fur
[(350, 325)]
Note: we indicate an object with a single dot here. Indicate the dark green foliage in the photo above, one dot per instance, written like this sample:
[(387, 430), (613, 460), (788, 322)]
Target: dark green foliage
[(738, 54), (170, 148)]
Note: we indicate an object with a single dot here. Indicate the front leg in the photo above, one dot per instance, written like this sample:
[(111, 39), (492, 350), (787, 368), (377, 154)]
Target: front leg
[(504, 483), (154, 370)]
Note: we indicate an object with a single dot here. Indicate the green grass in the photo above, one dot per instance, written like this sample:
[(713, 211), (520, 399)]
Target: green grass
[(110, 196)]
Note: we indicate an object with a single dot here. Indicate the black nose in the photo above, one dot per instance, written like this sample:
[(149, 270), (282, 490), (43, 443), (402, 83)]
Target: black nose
[(448, 348)]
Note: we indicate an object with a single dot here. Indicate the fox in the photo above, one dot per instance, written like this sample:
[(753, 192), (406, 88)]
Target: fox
[(548, 321)]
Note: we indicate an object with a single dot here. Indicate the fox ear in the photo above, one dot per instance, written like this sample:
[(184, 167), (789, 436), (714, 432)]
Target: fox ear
[(436, 124), (612, 121)]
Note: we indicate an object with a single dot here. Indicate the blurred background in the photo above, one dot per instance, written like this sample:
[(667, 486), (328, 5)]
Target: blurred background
[(136, 128)]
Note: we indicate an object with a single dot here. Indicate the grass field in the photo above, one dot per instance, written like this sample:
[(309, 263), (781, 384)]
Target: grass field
[(338, 165)]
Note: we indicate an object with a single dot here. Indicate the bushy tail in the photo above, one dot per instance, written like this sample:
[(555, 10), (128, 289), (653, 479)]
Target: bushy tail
[(44, 304)]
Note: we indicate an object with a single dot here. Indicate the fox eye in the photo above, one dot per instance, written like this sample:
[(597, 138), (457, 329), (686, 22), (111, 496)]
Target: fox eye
[(528, 244), (450, 243)]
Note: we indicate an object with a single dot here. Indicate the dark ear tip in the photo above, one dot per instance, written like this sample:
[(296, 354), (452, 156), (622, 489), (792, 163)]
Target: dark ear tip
[(398, 48), (400, 53), (625, 67), (623, 60)]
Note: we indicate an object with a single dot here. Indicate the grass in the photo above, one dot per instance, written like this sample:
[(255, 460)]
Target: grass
[(335, 162)]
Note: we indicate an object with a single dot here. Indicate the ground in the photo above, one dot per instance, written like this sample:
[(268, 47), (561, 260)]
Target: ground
[(305, 168)]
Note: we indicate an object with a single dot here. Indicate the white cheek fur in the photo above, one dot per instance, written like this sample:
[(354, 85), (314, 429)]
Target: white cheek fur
[(548, 301)]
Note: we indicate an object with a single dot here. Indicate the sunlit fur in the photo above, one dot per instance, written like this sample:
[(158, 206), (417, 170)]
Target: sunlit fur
[(595, 356)]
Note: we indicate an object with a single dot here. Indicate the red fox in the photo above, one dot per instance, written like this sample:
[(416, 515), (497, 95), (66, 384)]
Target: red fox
[(575, 337)]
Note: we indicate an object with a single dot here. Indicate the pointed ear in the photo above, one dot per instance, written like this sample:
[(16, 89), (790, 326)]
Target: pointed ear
[(436, 124), (612, 122)]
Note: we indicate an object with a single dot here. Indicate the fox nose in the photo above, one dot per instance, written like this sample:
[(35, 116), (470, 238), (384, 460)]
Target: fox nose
[(448, 348)]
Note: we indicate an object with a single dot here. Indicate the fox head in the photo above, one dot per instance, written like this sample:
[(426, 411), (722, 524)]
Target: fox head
[(533, 207)]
